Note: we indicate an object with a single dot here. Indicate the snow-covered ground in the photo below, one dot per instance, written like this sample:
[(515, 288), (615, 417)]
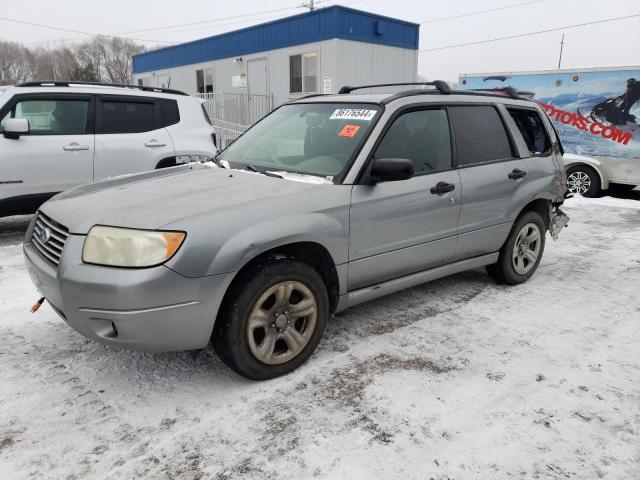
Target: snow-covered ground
[(455, 379)]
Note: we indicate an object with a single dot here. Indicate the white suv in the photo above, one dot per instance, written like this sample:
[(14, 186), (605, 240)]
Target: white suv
[(55, 135)]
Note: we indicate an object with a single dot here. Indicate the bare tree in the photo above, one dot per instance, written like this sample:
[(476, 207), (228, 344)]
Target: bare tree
[(15, 63), (101, 59), (117, 58)]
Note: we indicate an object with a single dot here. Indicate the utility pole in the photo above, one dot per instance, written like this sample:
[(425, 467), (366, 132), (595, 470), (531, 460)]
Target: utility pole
[(310, 5), (561, 45)]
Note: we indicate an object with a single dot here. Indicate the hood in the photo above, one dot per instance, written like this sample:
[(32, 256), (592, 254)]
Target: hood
[(153, 199)]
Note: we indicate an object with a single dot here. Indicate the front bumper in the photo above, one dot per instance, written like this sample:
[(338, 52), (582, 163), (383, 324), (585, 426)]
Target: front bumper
[(151, 309)]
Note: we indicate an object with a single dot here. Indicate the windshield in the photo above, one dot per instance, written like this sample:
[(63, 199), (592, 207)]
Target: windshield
[(312, 138)]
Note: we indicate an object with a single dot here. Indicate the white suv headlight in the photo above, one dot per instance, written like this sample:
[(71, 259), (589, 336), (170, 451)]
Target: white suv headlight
[(125, 247)]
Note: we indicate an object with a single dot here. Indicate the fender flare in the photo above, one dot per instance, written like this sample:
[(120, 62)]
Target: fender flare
[(251, 242)]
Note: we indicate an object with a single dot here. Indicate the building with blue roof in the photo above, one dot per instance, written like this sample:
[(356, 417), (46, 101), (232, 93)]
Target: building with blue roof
[(314, 52)]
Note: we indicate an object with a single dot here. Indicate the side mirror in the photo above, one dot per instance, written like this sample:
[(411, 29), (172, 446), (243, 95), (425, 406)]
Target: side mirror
[(14, 127), (214, 137), (391, 169)]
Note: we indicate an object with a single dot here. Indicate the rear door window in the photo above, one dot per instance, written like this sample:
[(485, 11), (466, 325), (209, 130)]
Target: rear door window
[(423, 137), (130, 116), (480, 135), (532, 129)]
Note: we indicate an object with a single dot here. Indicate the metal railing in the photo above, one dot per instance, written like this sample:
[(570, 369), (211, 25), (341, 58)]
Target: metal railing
[(232, 113), (227, 132)]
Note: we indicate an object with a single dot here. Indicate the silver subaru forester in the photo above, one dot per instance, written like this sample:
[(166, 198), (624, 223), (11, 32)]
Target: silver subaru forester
[(329, 201)]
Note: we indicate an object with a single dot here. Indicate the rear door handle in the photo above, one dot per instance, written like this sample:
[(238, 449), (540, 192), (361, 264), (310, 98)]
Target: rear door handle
[(442, 187), (516, 174), (74, 147), (154, 143)]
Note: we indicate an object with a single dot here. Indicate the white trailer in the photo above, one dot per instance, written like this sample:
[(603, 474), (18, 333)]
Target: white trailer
[(597, 114)]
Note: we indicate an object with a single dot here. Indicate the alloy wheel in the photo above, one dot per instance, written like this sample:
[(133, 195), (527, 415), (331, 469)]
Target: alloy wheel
[(578, 182), (526, 249)]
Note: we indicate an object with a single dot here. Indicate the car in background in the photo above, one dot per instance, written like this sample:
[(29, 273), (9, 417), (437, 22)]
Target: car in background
[(589, 176), (596, 112), (56, 135)]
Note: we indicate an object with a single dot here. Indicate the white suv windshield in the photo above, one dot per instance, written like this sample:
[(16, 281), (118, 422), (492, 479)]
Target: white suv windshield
[(313, 138)]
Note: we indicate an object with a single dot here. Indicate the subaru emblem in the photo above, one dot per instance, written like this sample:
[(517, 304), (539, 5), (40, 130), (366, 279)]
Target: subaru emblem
[(43, 234)]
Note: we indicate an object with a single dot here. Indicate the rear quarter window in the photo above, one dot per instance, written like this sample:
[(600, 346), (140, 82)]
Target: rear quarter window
[(532, 129), (169, 112), (206, 114), (480, 134)]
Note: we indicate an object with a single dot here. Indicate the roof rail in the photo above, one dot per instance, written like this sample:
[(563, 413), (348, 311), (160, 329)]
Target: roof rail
[(440, 85), (507, 91), (56, 83)]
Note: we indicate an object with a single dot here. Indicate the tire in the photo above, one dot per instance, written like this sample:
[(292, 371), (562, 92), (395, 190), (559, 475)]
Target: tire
[(621, 187), (583, 180), (257, 333), (515, 265)]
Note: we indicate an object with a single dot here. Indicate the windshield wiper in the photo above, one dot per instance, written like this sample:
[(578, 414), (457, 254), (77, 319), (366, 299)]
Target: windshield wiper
[(217, 161), (251, 168)]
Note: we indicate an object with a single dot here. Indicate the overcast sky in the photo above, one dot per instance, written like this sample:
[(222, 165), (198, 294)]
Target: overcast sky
[(605, 44)]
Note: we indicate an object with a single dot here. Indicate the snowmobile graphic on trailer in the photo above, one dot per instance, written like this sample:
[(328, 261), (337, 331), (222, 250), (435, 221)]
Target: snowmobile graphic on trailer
[(617, 110), (596, 113)]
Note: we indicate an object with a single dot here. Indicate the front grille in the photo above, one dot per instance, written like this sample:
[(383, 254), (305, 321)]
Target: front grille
[(49, 238)]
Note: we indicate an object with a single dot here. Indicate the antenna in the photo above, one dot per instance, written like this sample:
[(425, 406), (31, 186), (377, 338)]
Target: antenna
[(561, 45)]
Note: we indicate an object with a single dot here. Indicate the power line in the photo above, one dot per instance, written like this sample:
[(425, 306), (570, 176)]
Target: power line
[(68, 30), (528, 34), (211, 20), (478, 12), (220, 25), (119, 35), (215, 20)]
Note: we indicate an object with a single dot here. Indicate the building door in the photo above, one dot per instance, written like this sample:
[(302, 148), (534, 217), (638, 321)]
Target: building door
[(257, 89)]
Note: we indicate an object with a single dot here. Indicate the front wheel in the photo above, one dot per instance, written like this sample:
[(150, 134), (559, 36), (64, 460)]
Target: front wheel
[(272, 320), (522, 252)]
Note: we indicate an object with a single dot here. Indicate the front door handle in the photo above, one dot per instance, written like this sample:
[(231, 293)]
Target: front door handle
[(75, 147), (154, 143), (443, 187), (517, 173)]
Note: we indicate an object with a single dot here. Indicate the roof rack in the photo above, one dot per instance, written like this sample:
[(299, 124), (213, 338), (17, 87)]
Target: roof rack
[(511, 92), (507, 91), (56, 83), (440, 85)]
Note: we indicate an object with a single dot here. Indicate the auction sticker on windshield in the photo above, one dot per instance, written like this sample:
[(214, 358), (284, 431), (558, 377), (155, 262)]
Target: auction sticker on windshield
[(353, 114), (349, 131)]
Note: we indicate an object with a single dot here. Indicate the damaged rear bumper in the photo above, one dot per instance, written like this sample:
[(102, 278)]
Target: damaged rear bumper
[(557, 221)]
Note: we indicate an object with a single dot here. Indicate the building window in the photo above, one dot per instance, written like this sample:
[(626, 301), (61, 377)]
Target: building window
[(208, 84), (204, 80), (303, 73), (141, 82), (200, 81), (295, 73)]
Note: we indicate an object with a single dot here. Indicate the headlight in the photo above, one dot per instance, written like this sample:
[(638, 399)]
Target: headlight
[(125, 247)]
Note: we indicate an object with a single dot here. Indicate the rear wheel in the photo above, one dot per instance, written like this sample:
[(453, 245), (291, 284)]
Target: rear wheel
[(272, 320), (521, 253), (621, 187), (583, 180)]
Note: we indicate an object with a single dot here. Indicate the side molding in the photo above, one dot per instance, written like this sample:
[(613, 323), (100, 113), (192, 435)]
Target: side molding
[(369, 293)]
